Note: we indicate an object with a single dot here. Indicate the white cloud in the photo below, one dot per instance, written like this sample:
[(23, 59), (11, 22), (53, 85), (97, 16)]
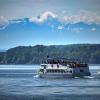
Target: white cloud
[(93, 29), (16, 21), (3, 27), (83, 16), (77, 30), (60, 27), (43, 17), (3, 22), (64, 12)]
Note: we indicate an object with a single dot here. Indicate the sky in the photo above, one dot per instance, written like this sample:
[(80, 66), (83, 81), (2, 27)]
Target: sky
[(47, 22), (28, 8)]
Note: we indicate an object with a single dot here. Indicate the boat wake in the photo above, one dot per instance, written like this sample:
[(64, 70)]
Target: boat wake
[(36, 76), (88, 77)]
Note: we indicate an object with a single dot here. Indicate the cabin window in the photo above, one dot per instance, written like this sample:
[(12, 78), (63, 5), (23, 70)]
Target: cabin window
[(58, 71), (70, 71), (51, 71), (62, 71), (57, 66), (44, 66), (55, 71), (48, 71), (52, 65), (81, 70)]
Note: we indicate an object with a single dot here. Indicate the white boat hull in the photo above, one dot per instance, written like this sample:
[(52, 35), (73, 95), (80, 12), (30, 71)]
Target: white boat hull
[(99, 73), (55, 75)]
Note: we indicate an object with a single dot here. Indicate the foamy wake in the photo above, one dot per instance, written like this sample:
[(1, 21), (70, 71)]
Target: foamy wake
[(36, 76), (88, 77)]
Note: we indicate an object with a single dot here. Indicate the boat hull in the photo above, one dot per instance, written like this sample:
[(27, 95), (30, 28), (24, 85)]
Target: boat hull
[(81, 74), (64, 75), (54, 75)]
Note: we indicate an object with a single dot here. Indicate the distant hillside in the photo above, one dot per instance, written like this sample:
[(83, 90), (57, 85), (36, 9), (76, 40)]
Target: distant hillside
[(87, 53), (2, 50)]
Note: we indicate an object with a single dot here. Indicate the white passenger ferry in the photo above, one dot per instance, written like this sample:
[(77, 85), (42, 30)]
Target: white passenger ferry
[(99, 73), (62, 68)]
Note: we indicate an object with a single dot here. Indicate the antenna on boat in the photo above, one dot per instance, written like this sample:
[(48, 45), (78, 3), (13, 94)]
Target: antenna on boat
[(47, 56)]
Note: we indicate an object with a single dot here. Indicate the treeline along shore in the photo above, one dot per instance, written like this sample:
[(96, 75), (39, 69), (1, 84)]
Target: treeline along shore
[(86, 53)]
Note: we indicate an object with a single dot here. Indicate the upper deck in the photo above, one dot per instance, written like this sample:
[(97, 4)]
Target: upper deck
[(64, 62)]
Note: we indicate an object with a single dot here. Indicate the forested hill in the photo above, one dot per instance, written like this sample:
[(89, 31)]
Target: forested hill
[(87, 53)]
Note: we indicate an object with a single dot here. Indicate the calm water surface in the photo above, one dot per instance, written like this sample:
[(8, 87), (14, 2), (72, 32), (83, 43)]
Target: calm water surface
[(20, 82)]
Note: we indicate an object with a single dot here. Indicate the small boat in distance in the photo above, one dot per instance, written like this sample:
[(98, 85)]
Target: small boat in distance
[(99, 73), (62, 68)]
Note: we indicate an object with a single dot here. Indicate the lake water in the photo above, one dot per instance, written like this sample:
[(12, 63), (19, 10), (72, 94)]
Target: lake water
[(19, 82)]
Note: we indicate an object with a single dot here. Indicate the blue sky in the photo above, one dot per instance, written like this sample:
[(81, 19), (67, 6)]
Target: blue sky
[(28, 8), (49, 22)]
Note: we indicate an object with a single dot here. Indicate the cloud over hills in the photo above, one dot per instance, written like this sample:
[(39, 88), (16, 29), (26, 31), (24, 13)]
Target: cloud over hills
[(81, 16), (45, 16), (83, 20), (3, 22)]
